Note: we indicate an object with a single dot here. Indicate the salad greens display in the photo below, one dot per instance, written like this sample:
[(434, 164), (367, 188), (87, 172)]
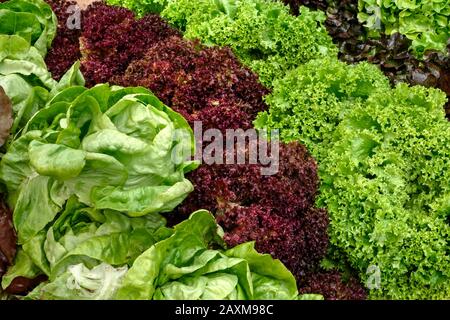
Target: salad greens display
[(100, 195)]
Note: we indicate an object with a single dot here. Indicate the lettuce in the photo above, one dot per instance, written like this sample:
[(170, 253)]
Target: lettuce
[(426, 23), (81, 234), (385, 183), (188, 262), (81, 283), (32, 20), (112, 148), (184, 266), (309, 102), (27, 29)]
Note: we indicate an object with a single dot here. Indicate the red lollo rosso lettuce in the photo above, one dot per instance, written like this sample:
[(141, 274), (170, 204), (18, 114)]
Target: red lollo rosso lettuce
[(332, 286), (65, 48), (289, 193), (300, 243), (204, 84), (111, 38)]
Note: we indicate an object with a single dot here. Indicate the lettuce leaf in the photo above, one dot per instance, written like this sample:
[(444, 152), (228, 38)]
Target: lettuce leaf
[(32, 20), (426, 23), (262, 33), (184, 266), (81, 283)]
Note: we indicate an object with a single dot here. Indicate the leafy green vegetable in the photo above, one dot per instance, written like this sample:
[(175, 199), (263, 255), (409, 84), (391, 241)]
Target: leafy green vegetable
[(385, 183), (32, 20), (262, 33), (186, 262), (23, 266), (426, 23), (382, 155), (84, 235), (80, 283), (141, 7), (184, 266), (310, 101), (114, 148), (27, 29), (24, 77)]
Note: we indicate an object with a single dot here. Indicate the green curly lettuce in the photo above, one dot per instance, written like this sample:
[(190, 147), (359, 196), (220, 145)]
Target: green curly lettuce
[(426, 23), (309, 102), (385, 184)]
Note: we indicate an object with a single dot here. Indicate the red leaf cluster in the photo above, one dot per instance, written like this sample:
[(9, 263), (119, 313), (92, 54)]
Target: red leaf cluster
[(65, 48), (333, 287), (204, 84), (300, 243), (112, 38)]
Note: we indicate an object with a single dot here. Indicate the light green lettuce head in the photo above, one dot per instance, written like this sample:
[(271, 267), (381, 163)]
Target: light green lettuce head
[(110, 147)]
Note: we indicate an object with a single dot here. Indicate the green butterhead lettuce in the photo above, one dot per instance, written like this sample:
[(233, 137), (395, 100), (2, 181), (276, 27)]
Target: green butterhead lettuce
[(81, 234), (27, 29), (112, 148), (187, 266), (81, 283), (188, 261), (32, 20)]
